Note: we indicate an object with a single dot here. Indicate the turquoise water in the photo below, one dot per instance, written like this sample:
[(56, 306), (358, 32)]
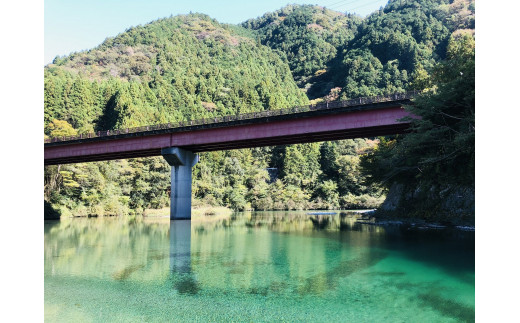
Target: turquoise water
[(263, 266)]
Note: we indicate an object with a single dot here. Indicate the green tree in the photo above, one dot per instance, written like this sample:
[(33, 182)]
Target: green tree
[(328, 158), (60, 128), (441, 148)]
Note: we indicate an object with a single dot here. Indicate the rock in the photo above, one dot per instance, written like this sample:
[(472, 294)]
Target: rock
[(447, 204)]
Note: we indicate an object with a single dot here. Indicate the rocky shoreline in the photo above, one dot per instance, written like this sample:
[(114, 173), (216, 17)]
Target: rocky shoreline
[(370, 218)]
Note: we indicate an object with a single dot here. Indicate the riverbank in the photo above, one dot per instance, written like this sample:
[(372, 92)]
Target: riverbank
[(372, 217), (198, 214), (207, 213)]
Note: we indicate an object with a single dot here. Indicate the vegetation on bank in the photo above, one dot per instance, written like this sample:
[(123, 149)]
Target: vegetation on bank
[(190, 67), (435, 164)]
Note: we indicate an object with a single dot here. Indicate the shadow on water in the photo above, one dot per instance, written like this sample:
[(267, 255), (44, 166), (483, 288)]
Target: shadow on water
[(449, 248), (186, 284), (452, 250), (447, 307), (429, 296)]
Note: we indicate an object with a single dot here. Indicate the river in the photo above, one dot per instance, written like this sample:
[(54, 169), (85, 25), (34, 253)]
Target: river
[(256, 266)]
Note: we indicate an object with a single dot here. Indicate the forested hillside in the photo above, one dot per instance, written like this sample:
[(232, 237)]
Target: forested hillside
[(190, 67), (333, 55), (170, 70), (310, 37)]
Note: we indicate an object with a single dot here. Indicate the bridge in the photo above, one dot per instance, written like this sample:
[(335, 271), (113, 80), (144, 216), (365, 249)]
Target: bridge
[(178, 143)]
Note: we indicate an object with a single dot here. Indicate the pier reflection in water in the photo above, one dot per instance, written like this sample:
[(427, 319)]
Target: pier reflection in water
[(180, 257)]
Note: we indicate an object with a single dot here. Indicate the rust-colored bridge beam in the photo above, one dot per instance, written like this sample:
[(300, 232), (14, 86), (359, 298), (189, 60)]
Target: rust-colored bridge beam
[(358, 122)]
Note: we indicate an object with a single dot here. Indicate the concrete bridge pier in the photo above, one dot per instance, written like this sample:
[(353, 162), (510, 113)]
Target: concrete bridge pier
[(181, 162)]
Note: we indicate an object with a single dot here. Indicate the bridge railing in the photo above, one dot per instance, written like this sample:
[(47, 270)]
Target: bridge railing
[(243, 116)]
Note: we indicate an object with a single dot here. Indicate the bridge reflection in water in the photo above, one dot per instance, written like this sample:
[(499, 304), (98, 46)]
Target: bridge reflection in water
[(148, 250), (261, 252)]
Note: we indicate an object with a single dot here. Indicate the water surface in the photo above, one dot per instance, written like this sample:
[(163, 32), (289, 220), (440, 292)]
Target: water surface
[(261, 266)]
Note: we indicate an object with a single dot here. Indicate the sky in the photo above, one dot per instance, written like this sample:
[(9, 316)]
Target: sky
[(75, 25)]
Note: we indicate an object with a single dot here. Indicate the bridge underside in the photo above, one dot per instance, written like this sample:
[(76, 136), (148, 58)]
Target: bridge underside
[(344, 125), (304, 138), (273, 141)]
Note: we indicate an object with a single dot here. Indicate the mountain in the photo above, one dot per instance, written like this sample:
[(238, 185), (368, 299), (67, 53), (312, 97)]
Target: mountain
[(169, 70), (308, 35), (340, 56)]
